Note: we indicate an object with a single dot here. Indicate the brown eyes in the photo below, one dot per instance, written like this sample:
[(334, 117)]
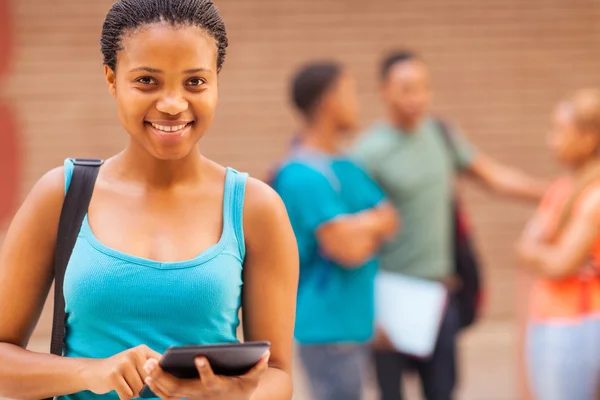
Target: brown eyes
[(147, 80), (196, 82)]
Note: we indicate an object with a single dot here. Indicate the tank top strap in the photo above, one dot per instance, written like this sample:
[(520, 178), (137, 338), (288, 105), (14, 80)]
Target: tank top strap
[(235, 189), (69, 166)]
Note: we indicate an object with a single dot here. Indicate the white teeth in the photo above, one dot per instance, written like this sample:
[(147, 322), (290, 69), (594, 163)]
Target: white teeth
[(168, 128)]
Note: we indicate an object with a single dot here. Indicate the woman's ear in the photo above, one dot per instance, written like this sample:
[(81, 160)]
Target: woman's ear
[(110, 79)]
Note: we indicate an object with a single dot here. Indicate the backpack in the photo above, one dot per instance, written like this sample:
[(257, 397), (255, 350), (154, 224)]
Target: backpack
[(467, 265)]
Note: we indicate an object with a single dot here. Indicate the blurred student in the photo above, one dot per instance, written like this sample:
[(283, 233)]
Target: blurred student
[(340, 218), (415, 158), (562, 245)]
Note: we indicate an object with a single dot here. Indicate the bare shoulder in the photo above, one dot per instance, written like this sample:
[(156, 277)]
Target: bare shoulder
[(40, 212), (264, 211), (53, 181), (42, 206), (50, 187), (262, 201)]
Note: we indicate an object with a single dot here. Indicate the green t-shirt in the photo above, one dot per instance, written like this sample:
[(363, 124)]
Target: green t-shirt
[(417, 171)]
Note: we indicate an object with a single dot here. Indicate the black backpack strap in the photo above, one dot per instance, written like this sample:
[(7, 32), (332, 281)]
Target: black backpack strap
[(466, 259), (73, 211), (446, 132)]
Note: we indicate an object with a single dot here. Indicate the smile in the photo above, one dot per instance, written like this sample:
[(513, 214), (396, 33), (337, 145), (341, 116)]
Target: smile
[(164, 128)]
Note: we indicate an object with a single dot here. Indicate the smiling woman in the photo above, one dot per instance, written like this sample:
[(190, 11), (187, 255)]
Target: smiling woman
[(169, 240), (165, 78)]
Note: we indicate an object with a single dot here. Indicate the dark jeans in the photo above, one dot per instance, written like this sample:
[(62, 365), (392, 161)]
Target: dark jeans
[(438, 373), (335, 371)]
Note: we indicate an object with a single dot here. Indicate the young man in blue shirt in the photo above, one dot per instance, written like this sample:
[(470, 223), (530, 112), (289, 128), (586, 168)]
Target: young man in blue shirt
[(340, 218)]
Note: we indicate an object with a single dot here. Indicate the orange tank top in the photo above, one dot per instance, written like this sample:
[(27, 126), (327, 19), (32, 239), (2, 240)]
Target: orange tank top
[(570, 298)]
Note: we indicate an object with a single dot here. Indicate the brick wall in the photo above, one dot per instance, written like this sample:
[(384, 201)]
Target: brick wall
[(498, 67)]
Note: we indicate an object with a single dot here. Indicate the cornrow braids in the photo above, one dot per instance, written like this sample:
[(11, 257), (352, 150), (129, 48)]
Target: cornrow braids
[(127, 15)]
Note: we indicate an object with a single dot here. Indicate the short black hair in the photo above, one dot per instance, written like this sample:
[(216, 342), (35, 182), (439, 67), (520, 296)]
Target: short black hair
[(311, 82), (128, 15), (394, 58)]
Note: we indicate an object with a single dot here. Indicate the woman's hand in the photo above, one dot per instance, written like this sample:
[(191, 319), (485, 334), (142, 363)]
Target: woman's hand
[(209, 386), (536, 232), (123, 372), (538, 229)]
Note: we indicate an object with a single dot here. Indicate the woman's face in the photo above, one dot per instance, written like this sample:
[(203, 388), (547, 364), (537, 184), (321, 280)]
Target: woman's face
[(570, 145), (165, 85)]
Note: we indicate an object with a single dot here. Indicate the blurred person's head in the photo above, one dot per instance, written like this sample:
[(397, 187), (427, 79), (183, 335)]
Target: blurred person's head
[(575, 134), (405, 88), (324, 93), (161, 63)]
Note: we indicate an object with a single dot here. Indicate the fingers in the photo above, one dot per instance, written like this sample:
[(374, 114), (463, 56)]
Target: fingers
[(149, 353), (157, 390), (123, 390), (168, 387), (208, 379), (166, 384), (142, 354), (135, 379), (260, 367), (142, 362)]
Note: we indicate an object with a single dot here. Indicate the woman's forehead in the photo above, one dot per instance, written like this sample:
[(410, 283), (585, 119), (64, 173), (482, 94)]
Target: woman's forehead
[(186, 47)]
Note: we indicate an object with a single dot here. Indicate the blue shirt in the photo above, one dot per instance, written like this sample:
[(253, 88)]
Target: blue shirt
[(334, 304), (116, 301)]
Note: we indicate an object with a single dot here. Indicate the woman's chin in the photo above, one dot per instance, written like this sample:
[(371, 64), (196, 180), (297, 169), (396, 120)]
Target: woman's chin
[(171, 154)]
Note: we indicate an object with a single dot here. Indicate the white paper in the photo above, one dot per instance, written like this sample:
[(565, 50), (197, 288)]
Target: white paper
[(410, 311)]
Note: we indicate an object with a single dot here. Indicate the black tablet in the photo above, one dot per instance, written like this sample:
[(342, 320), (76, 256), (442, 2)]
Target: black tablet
[(231, 359)]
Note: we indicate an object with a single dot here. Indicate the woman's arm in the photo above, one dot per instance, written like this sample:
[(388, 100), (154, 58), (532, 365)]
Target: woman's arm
[(270, 286), (568, 254), (26, 273)]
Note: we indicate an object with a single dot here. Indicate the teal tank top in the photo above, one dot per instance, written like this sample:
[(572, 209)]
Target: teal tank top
[(115, 301)]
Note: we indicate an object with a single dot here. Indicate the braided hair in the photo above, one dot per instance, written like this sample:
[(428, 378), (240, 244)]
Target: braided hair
[(125, 16)]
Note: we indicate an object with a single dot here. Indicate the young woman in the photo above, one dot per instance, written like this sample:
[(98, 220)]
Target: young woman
[(340, 218), (169, 241), (562, 244)]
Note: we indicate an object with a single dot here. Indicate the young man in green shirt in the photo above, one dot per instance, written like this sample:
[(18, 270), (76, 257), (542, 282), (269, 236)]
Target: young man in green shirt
[(408, 157)]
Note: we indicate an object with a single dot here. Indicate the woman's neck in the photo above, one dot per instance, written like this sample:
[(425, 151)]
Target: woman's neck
[(583, 167), (136, 164)]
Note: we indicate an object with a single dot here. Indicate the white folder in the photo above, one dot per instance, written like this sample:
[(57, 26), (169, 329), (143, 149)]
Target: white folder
[(410, 311)]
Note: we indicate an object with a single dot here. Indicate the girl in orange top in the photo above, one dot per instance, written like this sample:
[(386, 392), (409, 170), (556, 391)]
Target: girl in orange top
[(562, 244)]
